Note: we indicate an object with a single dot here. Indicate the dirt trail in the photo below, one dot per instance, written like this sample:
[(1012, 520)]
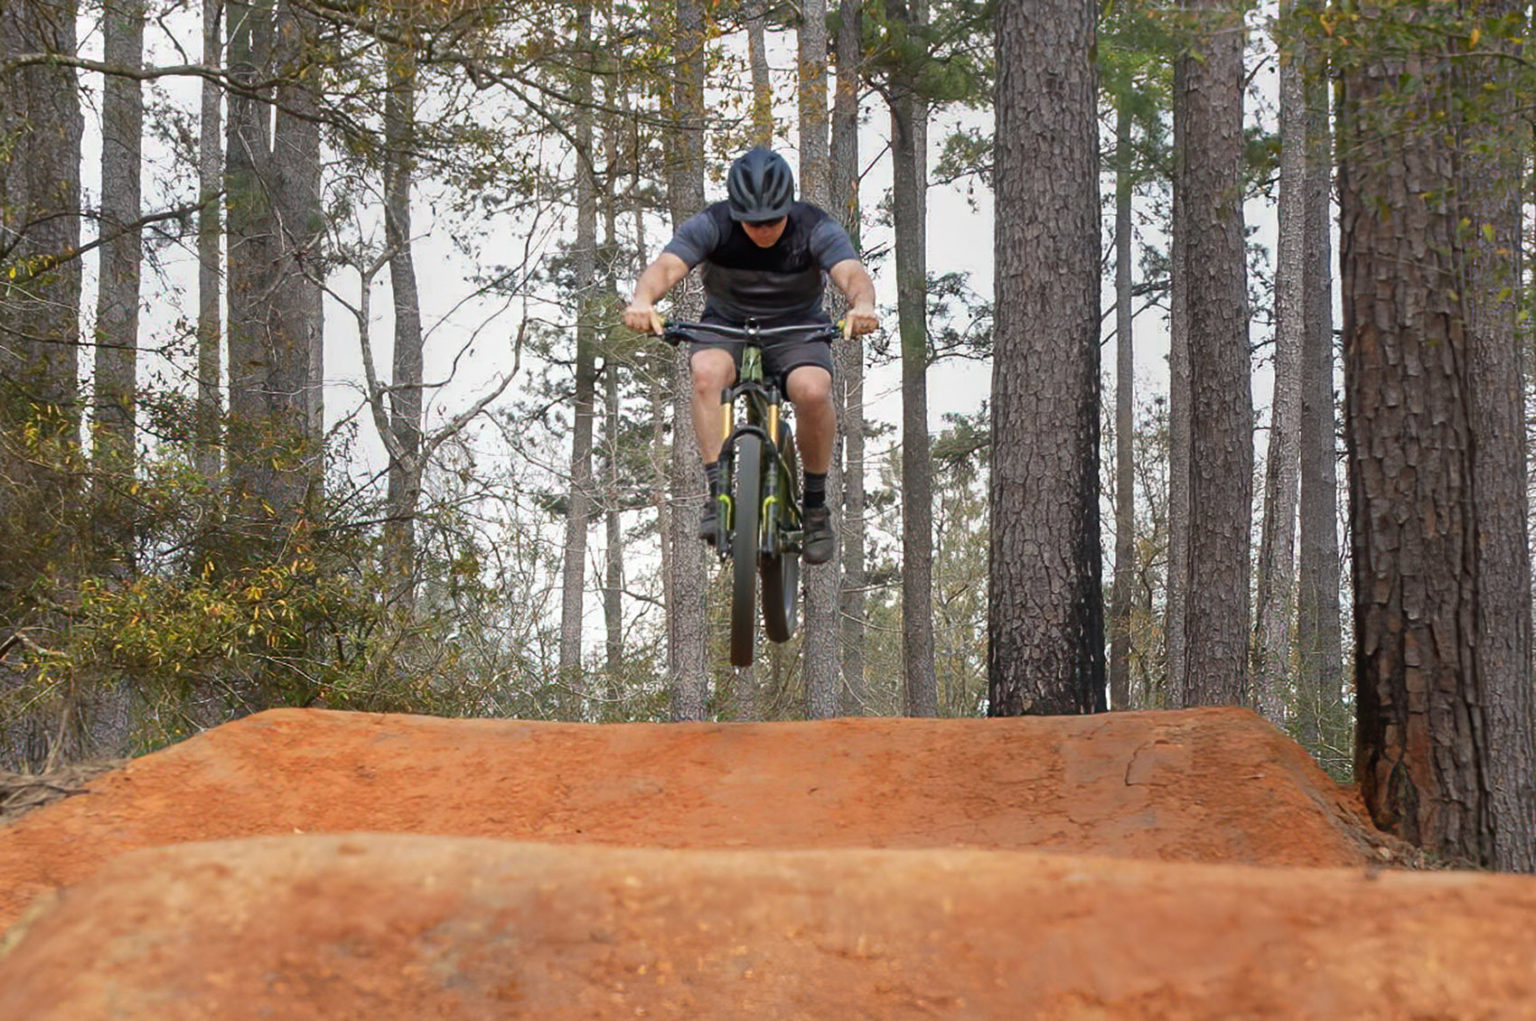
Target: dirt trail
[(414, 927), (1216, 785), (850, 869)]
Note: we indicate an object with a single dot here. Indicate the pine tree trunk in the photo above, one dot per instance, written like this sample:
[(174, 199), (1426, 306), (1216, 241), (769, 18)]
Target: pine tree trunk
[(613, 573), (1413, 592), (688, 667), (405, 395), (40, 135), (1319, 643), (274, 232), (250, 231), (1276, 580), (820, 648), (661, 483), (920, 684), (1492, 154), (613, 522), (762, 86), (579, 512), (1046, 611), (117, 296), (1221, 402), (39, 210), (298, 330), (1417, 357), (849, 380), (108, 720), (210, 170), (1125, 386), (815, 163), (909, 157), (1179, 397)]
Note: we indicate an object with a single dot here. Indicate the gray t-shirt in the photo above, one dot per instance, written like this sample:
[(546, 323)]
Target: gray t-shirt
[(778, 286)]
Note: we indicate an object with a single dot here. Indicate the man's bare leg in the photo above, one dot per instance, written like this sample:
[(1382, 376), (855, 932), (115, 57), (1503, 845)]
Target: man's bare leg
[(810, 388), (713, 371)]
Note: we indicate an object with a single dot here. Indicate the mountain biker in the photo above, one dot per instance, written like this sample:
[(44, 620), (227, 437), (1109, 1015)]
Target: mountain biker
[(762, 256)]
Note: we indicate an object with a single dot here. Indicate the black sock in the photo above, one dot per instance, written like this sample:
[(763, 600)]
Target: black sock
[(712, 473), (815, 490)]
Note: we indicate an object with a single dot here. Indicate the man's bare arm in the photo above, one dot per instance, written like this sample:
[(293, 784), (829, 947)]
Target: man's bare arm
[(659, 278), (854, 281)]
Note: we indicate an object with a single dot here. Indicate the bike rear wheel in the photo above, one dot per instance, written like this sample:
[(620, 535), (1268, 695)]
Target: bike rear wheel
[(746, 530), (781, 568)]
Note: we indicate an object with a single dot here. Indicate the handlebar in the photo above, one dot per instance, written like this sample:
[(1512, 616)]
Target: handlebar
[(673, 332)]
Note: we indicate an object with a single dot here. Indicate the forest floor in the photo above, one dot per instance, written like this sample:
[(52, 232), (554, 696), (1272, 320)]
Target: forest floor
[(303, 864)]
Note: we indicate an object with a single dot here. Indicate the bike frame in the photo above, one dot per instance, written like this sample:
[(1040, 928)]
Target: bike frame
[(762, 405), (753, 404)]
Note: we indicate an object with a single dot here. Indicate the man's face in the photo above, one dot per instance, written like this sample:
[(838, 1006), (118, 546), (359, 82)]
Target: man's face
[(765, 234)]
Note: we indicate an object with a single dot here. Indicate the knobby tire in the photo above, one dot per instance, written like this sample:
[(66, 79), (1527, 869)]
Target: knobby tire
[(745, 538)]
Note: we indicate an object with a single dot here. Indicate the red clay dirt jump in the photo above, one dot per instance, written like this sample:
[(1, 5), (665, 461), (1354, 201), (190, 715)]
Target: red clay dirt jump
[(306, 864)]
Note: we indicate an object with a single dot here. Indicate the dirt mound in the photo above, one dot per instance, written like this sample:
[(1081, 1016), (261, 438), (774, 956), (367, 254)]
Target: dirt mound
[(1199, 865), (412, 927), (1212, 785)]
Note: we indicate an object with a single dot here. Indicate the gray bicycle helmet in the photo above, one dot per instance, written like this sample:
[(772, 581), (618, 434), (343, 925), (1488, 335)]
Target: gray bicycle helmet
[(760, 186)]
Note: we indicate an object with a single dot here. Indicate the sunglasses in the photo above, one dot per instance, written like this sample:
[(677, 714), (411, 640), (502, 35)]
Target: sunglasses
[(764, 223)]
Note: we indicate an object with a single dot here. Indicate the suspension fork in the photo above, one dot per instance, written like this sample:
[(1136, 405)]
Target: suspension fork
[(768, 542), (727, 463)]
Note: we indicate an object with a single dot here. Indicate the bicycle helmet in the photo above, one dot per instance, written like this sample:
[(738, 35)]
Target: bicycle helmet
[(761, 186)]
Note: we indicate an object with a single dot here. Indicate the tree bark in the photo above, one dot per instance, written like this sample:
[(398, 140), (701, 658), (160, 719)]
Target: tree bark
[(210, 170), (274, 231), (822, 633), (1319, 642), (815, 162), (584, 258), (1409, 472), (688, 667), (613, 522), (661, 483), (909, 157), (298, 317), (1045, 608), (849, 384), (762, 85), (1276, 581), (405, 392), (117, 296), (1431, 390), (1125, 386), (1177, 597), (250, 238), (1491, 157), (1221, 404), (40, 207), (41, 129), (820, 648), (613, 573)]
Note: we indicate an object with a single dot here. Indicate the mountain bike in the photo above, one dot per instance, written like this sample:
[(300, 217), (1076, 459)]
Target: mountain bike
[(760, 518)]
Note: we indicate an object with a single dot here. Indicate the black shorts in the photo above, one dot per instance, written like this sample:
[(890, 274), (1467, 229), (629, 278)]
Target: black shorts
[(780, 356)]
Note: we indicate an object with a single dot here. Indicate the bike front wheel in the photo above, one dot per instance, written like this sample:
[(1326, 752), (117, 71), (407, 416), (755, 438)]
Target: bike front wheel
[(746, 531)]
